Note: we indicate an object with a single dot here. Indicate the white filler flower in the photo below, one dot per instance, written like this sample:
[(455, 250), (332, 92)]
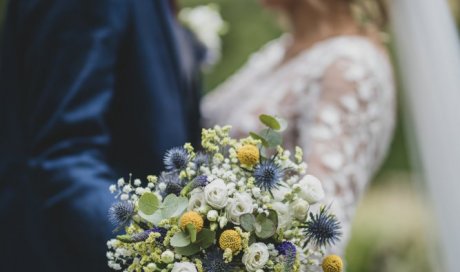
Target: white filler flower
[(240, 204), (311, 189), (215, 194), (256, 256), (184, 267)]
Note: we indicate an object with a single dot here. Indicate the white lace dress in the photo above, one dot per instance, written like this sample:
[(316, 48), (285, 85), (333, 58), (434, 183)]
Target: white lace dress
[(339, 99)]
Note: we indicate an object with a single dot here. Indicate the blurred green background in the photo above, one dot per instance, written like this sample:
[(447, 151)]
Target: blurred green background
[(392, 230)]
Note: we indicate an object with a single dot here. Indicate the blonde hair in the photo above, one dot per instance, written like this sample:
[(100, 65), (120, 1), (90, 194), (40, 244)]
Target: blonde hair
[(370, 13)]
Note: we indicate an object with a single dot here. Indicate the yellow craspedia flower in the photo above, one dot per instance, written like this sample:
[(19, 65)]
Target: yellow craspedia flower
[(230, 239), (332, 263), (193, 218), (248, 154)]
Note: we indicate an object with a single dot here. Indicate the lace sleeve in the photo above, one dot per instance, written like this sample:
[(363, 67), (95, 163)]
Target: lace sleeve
[(348, 133)]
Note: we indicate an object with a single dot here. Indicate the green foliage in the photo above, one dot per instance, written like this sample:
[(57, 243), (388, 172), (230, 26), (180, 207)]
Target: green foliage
[(270, 136), (262, 226), (180, 239), (185, 245), (270, 121), (148, 203), (172, 206), (248, 221), (191, 230)]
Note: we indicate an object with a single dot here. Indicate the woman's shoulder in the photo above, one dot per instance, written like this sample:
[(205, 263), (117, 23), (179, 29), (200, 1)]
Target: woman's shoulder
[(355, 56), (358, 50)]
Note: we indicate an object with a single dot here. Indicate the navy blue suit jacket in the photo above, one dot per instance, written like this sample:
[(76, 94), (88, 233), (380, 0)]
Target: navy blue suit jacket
[(91, 90)]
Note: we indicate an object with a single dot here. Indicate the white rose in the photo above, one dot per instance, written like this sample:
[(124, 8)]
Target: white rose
[(240, 204), (196, 201), (184, 267), (299, 209), (284, 214), (216, 194), (311, 189), (255, 257)]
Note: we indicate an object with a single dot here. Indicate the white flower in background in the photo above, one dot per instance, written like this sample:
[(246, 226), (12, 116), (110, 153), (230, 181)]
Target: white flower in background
[(280, 192), (216, 194), (311, 189), (196, 202), (284, 214), (299, 209), (240, 204), (207, 24), (256, 256), (184, 267)]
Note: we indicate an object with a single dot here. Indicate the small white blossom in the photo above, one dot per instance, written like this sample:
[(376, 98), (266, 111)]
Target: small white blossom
[(222, 222), (167, 256), (121, 182), (162, 186), (212, 215), (137, 182), (113, 188), (184, 267)]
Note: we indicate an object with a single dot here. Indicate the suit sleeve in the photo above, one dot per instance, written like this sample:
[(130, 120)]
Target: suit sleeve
[(70, 58)]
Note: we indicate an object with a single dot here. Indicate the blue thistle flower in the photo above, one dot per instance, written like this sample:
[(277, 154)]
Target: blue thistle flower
[(173, 183), (322, 229), (121, 213), (268, 175), (161, 231), (201, 159), (200, 181), (213, 261), (176, 159), (289, 253)]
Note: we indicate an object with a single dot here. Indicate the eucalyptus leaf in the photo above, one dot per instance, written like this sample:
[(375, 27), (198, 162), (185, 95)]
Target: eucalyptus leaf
[(273, 216), (173, 206), (258, 137), (154, 218), (188, 250), (148, 203), (270, 121), (272, 137), (205, 238), (180, 239), (247, 222), (265, 228), (283, 124), (191, 230)]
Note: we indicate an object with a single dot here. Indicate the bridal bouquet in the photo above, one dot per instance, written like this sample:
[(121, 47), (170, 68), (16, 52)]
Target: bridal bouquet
[(237, 205)]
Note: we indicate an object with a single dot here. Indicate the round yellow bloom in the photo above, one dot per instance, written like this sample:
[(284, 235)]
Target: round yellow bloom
[(332, 263), (230, 239), (193, 218), (248, 154)]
